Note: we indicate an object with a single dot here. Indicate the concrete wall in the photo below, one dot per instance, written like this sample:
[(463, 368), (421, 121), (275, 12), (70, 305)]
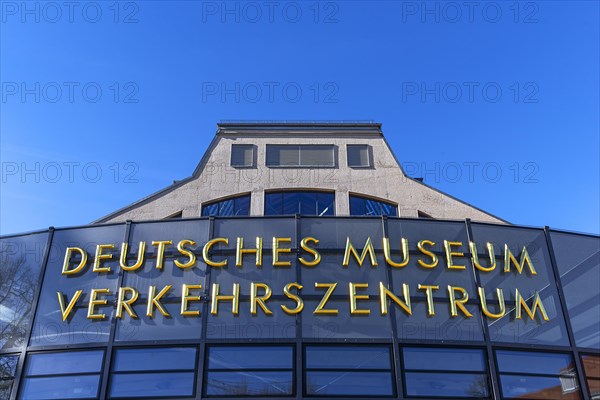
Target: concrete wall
[(215, 179)]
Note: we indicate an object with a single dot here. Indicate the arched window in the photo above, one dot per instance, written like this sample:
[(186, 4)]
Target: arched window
[(363, 205), (305, 202), (239, 205)]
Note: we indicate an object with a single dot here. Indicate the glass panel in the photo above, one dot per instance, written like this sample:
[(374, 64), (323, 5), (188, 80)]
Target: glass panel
[(291, 203), (591, 365), (308, 203), (226, 208), (49, 328), (155, 359), (594, 387), (325, 204), (210, 210), (358, 156), (578, 260), (533, 362), (242, 155), (152, 384), (357, 357), (446, 385), (20, 266), (250, 357), (62, 387), (64, 363), (249, 229), (344, 325), (508, 328), (8, 366), (239, 205), (321, 383), (358, 206), (249, 383), (454, 359), (332, 233), (274, 203), (536, 387), (242, 205), (5, 388), (317, 156)]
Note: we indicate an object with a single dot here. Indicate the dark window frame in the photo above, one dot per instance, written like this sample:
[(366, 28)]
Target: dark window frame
[(371, 163), (334, 154), (207, 369), (243, 145), (391, 370), (112, 371)]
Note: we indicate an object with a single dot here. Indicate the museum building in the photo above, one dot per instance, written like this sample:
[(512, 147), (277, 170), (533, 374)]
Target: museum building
[(300, 261)]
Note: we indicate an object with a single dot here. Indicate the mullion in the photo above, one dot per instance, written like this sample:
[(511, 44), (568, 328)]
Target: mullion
[(447, 371)]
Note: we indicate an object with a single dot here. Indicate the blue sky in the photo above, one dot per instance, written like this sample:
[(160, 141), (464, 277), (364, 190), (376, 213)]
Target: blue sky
[(496, 103)]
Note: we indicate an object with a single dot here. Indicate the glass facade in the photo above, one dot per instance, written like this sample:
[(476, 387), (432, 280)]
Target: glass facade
[(156, 331)]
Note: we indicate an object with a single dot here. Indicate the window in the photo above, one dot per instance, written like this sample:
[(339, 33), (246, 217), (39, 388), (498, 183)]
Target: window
[(8, 365), (72, 375), (421, 214), (306, 155), (360, 205), (447, 372), (591, 365), (256, 371), (536, 375), (153, 372), (230, 207), (359, 155), (300, 202), (177, 215), (243, 155), (349, 371)]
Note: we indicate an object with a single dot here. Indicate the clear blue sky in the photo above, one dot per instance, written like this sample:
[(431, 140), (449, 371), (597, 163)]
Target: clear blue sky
[(496, 103)]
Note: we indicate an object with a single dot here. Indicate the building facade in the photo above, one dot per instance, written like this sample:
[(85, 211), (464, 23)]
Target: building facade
[(298, 261)]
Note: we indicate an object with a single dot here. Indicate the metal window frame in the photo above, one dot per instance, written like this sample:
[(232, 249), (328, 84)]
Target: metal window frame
[(243, 145), (368, 147)]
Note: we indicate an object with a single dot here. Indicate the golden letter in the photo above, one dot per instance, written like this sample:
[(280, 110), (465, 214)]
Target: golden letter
[(260, 300), (304, 245), (484, 307), (475, 257), (449, 253), (509, 257), (234, 298), (121, 302), (537, 303), (434, 259), (330, 288), (160, 251), (299, 301), (387, 253), (99, 257), (192, 257), (95, 302), (140, 257), (353, 297), (384, 293), (185, 298), (65, 311), (70, 250), (429, 292), (277, 250), (240, 251), (460, 303), (206, 249), (368, 249), (154, 300)]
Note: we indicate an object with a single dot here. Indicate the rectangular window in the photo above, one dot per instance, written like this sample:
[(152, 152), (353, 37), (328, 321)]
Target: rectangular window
[(8, 366), (153, 372), (306, 156), (243, 155), (359, 155), (364, 371), (431, 372), (250, 371), (72, 375), (537, 375)]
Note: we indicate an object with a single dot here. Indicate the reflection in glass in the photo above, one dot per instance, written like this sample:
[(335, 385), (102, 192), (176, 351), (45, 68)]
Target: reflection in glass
[(8, 366), (239, 205), (300, 202), (20, 266), (249, 371), (446, 384), (361, 205), (349, 370), (61, 387), (163, 384)]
